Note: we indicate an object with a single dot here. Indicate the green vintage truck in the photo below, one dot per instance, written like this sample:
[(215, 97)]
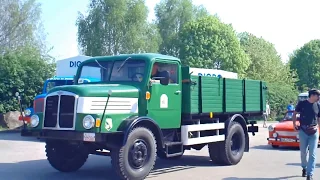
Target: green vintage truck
[(144, 106)]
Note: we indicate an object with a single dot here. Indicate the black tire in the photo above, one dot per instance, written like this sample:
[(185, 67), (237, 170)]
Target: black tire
[(275, 146), (123, 159), (65, 157), (230, 151)]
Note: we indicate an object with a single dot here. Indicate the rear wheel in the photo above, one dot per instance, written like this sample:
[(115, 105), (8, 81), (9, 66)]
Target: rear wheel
[(230, 151), (65, 157), (136, 159)]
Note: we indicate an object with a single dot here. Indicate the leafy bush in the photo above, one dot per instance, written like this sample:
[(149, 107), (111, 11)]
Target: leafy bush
[(25, 71)]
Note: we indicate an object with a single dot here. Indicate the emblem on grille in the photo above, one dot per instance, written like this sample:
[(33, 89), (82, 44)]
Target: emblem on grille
[(60, 92)]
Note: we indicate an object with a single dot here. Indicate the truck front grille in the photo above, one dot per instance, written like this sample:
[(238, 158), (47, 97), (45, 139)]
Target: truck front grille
[(66, 113), (59, 112), (51, 111)]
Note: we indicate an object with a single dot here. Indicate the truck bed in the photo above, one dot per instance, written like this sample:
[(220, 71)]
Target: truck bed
[(206, 95)]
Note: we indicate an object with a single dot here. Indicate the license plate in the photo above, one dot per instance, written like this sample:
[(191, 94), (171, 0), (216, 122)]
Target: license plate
[(287, 140), (91, 137)]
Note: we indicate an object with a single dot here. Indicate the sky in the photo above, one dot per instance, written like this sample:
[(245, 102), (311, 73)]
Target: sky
[(288, 24)]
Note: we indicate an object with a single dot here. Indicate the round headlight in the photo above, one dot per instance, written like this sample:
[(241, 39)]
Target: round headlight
[(270, 128), (27, 112), (34, 121), (88, 122), (275, 135)]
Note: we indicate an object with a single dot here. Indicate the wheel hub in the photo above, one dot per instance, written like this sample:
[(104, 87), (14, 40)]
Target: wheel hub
[(138, 154), (235, 143)]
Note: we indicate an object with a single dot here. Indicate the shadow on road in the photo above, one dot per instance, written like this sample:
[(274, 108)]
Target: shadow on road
[(279, 178), (269, 147), (299, 164), (97, 168), (16, 136)]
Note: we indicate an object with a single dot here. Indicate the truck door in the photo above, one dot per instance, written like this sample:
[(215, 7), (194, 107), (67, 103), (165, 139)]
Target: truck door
[(164, 105)]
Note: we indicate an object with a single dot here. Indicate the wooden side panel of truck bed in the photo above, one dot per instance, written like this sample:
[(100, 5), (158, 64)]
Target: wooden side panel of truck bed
[(222, 96)]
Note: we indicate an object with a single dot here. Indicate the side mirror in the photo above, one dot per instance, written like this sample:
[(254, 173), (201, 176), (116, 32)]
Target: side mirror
[(17, 94), (165, 79)]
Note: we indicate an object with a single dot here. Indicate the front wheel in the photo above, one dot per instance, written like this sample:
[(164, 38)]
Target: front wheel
[(136, 159), (65, 157)]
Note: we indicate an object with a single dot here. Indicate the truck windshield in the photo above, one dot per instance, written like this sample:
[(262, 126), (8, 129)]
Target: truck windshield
[(108, 71), (53, 83)]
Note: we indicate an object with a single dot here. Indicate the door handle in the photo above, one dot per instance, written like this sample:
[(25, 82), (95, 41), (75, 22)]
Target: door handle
[(178, 92)]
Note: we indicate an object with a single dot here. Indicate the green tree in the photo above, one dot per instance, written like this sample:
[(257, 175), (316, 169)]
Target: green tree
[(23, 70), (279, 96), (24, 63), (171, 16), (209, 43), (20, 25), (266, 65), (116, 27), (306, 62)]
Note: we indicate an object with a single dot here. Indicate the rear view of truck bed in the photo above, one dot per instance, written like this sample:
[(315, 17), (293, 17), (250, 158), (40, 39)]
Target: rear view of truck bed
[(206, 95)]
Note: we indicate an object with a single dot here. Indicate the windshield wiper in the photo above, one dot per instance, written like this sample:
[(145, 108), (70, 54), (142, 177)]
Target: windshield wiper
[(124, 62), (101, 65)]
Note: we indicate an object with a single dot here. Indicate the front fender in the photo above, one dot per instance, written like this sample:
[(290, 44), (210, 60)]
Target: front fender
[(241, 120), (129, 124)]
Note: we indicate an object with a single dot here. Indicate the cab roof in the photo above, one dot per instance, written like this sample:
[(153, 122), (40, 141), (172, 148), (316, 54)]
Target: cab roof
[(145, 56)]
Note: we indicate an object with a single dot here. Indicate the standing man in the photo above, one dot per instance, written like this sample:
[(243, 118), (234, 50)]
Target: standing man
[(266, 114), (308, 131)]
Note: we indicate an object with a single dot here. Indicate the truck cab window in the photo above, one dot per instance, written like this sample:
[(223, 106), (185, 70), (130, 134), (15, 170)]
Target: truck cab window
[(53, 83), (98, 71), (158, 70), (131, 70)]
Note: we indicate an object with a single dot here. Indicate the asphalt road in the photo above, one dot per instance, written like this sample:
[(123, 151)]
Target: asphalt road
[(24, 158)]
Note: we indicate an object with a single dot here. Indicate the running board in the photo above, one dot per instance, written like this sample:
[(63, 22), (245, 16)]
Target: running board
[(173, 144), (198, 139)]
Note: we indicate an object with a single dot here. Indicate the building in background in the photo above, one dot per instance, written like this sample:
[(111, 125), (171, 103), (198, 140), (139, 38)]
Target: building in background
[(68, 67)]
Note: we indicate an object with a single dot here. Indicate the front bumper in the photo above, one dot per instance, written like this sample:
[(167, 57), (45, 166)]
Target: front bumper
[(293, 142), (25, 118), (281, 139), (68, 135)]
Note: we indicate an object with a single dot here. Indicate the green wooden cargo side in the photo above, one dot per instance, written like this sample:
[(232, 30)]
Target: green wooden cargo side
[(221, 95)]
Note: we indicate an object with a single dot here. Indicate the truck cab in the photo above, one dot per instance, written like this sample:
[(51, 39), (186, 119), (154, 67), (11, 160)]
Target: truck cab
[(142, 106)]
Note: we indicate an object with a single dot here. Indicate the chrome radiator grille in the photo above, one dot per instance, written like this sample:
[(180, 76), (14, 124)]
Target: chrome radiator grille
[(59, 112)]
